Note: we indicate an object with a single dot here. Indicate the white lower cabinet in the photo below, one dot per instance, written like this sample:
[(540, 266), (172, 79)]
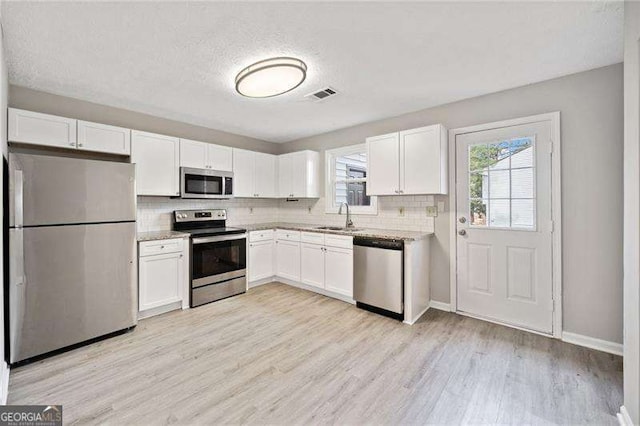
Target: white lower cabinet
[(338, 270), (312, 265), (288, 259), (163, 277), (261, 260)]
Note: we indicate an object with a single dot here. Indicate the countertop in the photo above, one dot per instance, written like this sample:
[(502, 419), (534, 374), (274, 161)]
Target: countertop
[(360, 232), (160, 235)]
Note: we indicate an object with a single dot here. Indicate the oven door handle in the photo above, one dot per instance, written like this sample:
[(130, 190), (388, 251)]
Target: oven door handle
[(204, 240)]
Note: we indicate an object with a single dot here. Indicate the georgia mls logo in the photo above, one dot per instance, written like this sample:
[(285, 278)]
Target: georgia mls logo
[(31, 415)]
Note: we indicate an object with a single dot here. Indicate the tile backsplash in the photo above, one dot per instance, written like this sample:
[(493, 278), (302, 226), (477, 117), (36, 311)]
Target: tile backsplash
[(154, 213)]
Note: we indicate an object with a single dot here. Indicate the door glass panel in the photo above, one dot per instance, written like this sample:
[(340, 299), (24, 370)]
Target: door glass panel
[(502, 190), (522, 183), (478, 185), (499, 184), (499, 215), (522, 213), (478, 210)]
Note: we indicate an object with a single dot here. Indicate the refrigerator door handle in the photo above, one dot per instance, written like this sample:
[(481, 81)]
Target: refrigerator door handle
[(18, 188)]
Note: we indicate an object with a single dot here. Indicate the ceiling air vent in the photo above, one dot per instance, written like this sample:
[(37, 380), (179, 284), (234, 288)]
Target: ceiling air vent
[(322, 94)]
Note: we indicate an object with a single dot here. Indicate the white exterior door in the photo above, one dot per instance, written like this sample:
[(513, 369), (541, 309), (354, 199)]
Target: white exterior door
[(504, 225)]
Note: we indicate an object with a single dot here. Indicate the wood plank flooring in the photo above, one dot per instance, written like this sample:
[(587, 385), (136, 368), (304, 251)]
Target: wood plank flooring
[(287, 356)]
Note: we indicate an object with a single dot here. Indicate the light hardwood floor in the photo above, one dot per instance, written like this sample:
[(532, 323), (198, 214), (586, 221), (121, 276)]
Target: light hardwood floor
[(283, 355)]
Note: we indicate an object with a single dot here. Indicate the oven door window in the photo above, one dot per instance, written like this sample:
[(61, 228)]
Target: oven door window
[(219, 257), (202, 185)]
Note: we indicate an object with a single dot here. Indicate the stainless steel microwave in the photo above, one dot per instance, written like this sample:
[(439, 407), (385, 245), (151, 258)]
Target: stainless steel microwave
[(204, 183)]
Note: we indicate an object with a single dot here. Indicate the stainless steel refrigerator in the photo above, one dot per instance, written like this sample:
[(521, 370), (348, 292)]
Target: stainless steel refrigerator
[(72, 252)]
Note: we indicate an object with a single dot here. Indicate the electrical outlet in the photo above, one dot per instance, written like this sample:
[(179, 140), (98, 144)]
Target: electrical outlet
[(250, 210), (432, 211), (401, 211)]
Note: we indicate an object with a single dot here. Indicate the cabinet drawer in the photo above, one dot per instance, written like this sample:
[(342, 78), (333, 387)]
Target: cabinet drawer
[(149, 248), (340, 241), (264, 235), (282, 234), (312, 237)]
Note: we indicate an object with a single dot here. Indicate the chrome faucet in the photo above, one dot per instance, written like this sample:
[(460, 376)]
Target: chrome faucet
[(349, 223)]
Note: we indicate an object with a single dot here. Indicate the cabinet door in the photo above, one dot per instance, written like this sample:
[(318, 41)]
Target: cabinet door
[(299, 178), (160, 280), (243, 173), (265, 175), (261, 260), (288, 260), (312, 265), (220, 157), (384, 165), (421, 160), (338, 275), (103, 138), (193, 154), (157, 160), (41, 129), (285, 175)]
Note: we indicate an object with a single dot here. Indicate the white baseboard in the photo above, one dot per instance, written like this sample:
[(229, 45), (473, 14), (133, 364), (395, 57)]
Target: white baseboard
[(592, 343), (440, 305), (4, 383), (623, 417), (263, 281), (417, 317)]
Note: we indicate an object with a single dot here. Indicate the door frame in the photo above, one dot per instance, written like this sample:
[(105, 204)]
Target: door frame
[(556, 211)]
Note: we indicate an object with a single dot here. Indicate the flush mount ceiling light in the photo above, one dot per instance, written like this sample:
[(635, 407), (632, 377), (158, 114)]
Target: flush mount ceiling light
[(271, 77)]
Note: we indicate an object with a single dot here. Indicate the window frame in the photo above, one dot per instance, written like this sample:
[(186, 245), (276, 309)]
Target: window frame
[(330, 181)]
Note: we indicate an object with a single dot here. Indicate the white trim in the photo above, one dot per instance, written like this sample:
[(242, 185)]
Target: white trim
[(313, 289), (4, 383), (504, 324), (417, 317), (556, 207), (592, 343), (329, 183), (441, 306), (159, 310), (624, 418), (260, 282)]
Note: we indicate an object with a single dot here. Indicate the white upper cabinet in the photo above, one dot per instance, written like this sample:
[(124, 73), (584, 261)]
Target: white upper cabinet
[(410, 162), (41, 129), (201, 155), (50, 130), (254, 174), (193, 154), (423, 156), (157, 159), (103, 138), (265, 176), (299, 175), (383, 157)]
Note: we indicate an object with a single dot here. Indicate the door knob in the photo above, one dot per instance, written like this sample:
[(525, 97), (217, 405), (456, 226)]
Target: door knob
[(462, 232), (462, 219)]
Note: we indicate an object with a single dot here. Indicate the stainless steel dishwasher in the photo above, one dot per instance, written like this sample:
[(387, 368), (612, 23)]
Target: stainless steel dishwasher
[(378, 275)]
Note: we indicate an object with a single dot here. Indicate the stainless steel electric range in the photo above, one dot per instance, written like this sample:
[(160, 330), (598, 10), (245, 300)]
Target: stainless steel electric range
[(218, 255)]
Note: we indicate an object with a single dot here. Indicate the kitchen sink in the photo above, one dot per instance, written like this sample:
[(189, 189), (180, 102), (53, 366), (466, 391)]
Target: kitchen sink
[(338, 228)]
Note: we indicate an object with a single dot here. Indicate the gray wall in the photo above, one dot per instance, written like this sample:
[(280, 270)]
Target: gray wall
[(33, 100), (592, 141), (632, 210)]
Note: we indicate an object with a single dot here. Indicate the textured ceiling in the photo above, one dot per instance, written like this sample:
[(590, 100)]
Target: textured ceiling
[(178, 60)]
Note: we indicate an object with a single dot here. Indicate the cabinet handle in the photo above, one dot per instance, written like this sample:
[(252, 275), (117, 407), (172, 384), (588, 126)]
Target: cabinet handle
[(80, 144), (161, 247), (72, 144)]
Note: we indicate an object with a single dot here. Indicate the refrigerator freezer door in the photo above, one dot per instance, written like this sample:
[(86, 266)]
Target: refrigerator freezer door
[(58, 190), (69, 284)]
